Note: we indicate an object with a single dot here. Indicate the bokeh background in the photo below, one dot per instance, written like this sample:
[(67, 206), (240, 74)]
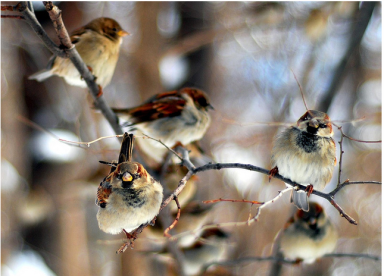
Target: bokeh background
[(242, 54)]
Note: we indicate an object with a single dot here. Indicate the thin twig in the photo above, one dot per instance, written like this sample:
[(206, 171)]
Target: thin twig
[(279, 195), (247, 260), (171, 243), (192, 170), (8, 8), (185, 161), (350, 121), (91, 142), (179, 188), (287, 261), (234, 122), (218, 166), (301, 89), (341, 148), (171, 150), (329, 196), (353, 255), (166, 232), (360, 141), (353, 139), (347, 182), (134, 234), (13, 16), (341, 156), (232, 200), (248, 222)]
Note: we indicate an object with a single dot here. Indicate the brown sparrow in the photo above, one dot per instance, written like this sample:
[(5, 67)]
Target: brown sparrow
[(212, 246), (308, 236), (128, 197), (98, 44), (306, 154), (175, 116)]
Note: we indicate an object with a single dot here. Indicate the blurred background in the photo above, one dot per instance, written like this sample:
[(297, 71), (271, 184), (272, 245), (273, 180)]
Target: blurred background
[(243, 55)]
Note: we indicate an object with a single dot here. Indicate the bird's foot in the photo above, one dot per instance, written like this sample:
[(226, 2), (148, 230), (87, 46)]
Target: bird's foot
[(273, 172)]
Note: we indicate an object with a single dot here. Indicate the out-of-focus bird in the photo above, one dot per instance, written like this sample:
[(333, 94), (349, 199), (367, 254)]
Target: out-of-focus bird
[(307, 236), (212, 246)]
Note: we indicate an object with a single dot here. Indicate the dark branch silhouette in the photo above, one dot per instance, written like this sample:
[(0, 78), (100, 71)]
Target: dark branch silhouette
[(361, 24)]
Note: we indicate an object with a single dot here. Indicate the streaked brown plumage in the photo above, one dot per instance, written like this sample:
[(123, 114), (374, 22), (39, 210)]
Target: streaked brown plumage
[(98, 44), (128, 197), (175, 116)]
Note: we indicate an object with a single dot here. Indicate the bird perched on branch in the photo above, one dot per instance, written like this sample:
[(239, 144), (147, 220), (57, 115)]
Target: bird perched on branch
[(306, 154), (212, 245), (128, 197), (307, 236), (172, 117), (98, 44)]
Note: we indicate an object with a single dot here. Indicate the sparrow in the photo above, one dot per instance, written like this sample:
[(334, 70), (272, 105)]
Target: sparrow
[(98, 44), (194, 216), (211, 246), (128, 197), (172, 117), (306, 154), (308, 236)]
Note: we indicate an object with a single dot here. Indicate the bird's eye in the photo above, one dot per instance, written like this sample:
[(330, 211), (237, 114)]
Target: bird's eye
[(127, 177), (322, 125), (114, 29)]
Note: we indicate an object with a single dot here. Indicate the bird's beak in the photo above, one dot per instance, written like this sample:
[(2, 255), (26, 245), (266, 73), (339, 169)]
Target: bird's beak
[(122, 33), (313, 123), (312, 221), (210, 107)]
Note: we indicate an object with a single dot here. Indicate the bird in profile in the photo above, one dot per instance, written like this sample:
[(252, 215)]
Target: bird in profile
[(179, 116), (98, 44)]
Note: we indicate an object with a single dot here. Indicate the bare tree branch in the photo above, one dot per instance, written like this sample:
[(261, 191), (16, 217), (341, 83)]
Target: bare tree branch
[(12, 16), (287, 261), (31, 19), (341, 155), (341, 149), (55, 15), (232, 200), (353, 255), (361, 24), (68, 50), (192, 170), (166, 232), (329, 196), (347, 182)]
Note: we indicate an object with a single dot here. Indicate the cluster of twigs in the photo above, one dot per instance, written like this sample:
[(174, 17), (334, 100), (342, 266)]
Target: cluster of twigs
[(66, 49)]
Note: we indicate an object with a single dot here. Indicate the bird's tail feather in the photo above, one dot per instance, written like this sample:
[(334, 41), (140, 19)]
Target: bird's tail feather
[(300, 200), (41, 75)]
